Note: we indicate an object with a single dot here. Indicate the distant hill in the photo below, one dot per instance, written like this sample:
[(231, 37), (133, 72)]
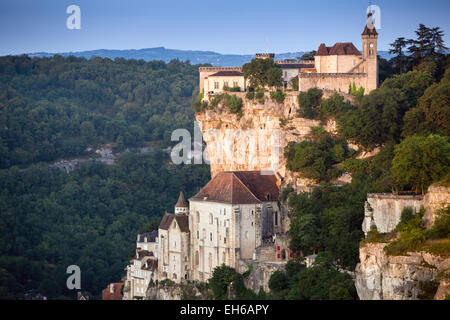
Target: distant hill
[(195, 56)]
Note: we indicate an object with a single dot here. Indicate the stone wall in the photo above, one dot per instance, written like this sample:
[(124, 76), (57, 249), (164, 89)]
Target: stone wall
[(436, 198), (332, 81), (384, 210)]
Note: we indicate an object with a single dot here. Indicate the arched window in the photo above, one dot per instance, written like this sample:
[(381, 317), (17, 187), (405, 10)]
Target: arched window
[(210, 261), (276, 218), (196, 258), (197, 216), (174, 276), (210, 218), (283, 254), (186, 276)]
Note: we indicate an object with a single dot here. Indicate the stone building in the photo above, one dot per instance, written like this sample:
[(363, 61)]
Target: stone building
[(342, 65), (232, 220), (174, 246), (334, 68), (142, 270), (233, 215)]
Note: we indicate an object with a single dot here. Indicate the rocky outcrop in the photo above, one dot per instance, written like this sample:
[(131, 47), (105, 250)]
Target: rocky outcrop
[(436, 198), (260, 274), (383, 277), (178, 291)]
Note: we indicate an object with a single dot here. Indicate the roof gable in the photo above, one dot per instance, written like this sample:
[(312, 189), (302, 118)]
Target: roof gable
[(340, 48), (239, 187)]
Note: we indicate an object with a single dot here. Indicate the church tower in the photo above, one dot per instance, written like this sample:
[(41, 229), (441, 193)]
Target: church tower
[(181, 206), (369, 38)]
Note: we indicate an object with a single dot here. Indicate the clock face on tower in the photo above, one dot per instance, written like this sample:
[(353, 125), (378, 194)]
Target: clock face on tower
[(371, 45)]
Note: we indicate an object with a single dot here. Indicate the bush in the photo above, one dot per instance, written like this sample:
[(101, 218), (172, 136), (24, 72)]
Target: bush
[(234, 103), (278, 96), (278, 282), (308, 102), (250, 95)]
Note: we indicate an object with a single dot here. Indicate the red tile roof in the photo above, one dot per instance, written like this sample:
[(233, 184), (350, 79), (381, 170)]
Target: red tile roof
[(227, 74), (115, 294), (181, 219), (240, 187), (340, 48)]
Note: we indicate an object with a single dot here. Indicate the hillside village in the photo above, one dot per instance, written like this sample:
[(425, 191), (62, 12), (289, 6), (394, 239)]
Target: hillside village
[(238, 218)]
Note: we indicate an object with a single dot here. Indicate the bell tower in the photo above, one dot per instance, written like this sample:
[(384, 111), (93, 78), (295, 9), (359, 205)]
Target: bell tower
[(369, 39)]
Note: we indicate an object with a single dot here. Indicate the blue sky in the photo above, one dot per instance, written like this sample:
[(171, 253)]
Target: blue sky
[(229, 26)]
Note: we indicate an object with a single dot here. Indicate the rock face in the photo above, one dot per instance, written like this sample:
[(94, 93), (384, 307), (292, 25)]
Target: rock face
[(384, 210), (256, 141), (383, 277), (436, 198)]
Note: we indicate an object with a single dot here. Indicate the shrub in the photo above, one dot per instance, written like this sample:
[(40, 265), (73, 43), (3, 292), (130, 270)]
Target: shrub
[(308, 102), (278, 96), (234, 103), (250, 95)]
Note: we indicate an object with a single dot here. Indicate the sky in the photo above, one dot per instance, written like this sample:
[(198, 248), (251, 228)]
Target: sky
[(230, 26)]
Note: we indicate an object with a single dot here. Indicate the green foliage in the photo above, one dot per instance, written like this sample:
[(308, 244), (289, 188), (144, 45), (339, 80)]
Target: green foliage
[(250, 95), (356, 92), (379, 117), (262, 73), (278, 96), (308, 102), (234, 103), (57, 107), (278, 282), (329, 219), (50, 219), (220, 282), (333, 106), (308, 56), (316, 159), (321, 283), (420, 161)]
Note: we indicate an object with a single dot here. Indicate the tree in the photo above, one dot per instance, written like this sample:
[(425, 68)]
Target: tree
[(419, 161), (399, 61), (262, 72), (435, 105), (422, 45), (437, 43), (308, 56)]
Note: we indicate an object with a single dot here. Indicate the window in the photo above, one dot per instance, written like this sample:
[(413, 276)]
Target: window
[(235, 84), (225, 83), (216, 85), (276, 218), (197, 215), (174, 244), (198, 234), (210, 218), (224, 240), (210, 236)]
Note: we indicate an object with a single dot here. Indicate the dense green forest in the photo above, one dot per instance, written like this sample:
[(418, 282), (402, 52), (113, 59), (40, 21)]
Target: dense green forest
[(57, 107)]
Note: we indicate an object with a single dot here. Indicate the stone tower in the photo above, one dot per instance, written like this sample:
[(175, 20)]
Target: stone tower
[(369, 38), (181, 206)]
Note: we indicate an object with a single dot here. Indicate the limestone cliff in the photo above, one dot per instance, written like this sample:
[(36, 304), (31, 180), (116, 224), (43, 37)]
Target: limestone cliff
[(380, 276), (383, 277), (256, 141)]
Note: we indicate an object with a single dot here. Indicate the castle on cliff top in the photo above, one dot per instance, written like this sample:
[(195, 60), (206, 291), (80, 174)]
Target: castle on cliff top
[(334, 68)]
